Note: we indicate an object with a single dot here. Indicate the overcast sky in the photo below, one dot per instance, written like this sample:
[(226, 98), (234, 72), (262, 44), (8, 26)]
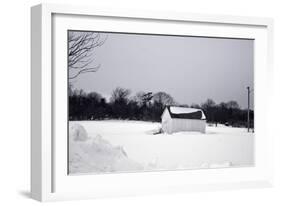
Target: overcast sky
[(190, 69)]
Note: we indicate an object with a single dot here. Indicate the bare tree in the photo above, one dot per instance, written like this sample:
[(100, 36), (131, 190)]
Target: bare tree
[(163, 98), (94, 96), (138, 98), (120, 95), (208, 104), (209, 108), (232, 105), (81, 46), (146, 99)]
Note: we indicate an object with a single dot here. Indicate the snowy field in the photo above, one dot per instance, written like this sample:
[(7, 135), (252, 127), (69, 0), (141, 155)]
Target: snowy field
[(129, 146)]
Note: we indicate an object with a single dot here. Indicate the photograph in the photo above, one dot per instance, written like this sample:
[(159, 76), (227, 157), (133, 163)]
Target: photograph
[(140, 102)]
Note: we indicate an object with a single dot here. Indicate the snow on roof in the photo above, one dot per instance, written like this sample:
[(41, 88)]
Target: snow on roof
[(183, 110), (186, 112)]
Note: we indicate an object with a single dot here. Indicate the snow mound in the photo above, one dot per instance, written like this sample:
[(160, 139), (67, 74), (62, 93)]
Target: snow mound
[(78, 132), (95, 154), (155, 131)]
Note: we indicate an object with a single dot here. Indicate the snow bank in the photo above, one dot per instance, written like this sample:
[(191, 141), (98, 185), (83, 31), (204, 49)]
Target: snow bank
[(78, 132), (95, 154), (124, 146)]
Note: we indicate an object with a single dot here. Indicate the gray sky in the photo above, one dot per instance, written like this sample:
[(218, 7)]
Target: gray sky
[(190, 69)]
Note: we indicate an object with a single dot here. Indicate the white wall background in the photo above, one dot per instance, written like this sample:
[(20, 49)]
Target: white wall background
[(15, 103)]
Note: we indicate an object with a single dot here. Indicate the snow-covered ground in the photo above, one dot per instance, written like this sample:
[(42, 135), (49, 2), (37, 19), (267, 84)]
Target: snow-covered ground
[(120, 146)]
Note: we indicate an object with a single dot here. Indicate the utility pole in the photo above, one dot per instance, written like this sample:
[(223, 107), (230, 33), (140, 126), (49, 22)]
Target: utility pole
[(248, 113)]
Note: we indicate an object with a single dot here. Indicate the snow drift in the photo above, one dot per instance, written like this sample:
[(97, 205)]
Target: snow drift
[(137, 146), (95, 154)]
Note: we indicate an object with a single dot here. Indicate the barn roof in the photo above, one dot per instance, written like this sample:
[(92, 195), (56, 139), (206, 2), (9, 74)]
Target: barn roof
[(185, 113)]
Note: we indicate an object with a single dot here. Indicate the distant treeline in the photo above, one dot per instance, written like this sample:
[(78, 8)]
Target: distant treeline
[(147, 106)]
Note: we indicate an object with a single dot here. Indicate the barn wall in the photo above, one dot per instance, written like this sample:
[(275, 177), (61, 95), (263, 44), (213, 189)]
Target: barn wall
[(178, 125), (166, 122)]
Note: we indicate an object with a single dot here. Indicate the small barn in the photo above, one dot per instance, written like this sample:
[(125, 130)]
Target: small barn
[(177, 119)]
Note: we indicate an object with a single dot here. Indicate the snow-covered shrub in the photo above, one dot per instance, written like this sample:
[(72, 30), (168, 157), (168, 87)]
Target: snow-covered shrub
[(95, 155)]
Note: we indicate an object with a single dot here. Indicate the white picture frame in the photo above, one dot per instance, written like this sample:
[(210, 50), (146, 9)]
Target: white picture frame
[(49, 179)]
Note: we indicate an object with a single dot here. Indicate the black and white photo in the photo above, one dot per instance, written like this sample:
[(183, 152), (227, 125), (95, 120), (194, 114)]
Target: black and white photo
[(150, 102)]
